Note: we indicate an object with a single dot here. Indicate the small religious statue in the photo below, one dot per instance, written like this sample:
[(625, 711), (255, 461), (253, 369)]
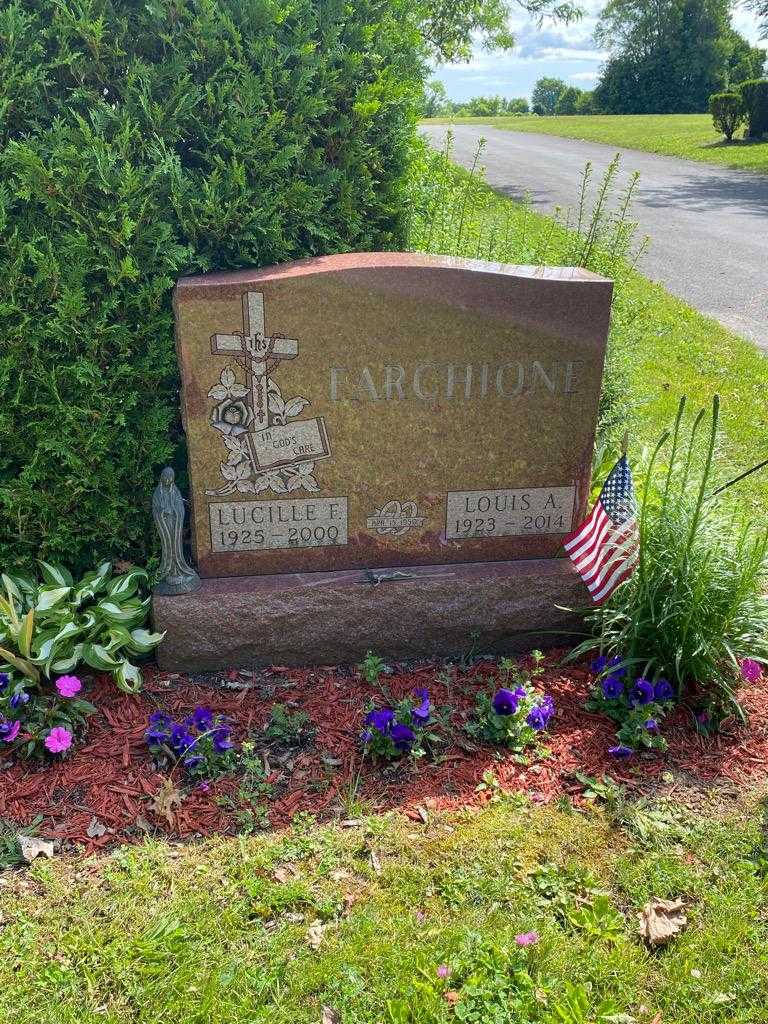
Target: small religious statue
[(176, 575)]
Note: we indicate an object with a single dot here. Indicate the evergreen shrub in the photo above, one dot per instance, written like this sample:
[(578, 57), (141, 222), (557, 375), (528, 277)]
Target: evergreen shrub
[(754, 94), (727, 112), (140, 142)]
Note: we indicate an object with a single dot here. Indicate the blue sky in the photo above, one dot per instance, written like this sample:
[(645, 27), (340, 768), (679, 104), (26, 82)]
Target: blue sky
[(566, 52)]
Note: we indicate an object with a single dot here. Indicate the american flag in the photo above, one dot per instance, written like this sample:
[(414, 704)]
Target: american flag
[(606, 547)]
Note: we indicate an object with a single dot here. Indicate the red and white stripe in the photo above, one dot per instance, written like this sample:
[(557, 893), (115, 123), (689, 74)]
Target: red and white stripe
[(604, 553)]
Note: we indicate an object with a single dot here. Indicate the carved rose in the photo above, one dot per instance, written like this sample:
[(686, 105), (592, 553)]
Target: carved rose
[(232, 416)]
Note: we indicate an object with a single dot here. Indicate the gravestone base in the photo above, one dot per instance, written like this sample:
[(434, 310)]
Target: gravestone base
[(326, 618)]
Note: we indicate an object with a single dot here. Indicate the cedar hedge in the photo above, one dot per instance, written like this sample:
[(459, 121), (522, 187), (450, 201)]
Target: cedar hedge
[(754, 96), (140, 142)]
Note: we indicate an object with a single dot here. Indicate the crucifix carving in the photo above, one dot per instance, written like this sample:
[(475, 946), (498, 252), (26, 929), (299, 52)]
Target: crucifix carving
[(262, 353)]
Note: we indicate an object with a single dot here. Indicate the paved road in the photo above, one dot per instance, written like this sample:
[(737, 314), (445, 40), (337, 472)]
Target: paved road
[(708, 225)]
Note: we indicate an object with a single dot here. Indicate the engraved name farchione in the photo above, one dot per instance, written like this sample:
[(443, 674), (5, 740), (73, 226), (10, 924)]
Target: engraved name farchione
[(434, 381)]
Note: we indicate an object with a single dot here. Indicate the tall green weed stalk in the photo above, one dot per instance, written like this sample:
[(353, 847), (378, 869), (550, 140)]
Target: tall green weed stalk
[(696, 606)]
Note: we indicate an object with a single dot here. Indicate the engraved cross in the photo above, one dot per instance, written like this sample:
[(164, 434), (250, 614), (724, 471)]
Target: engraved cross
[(262, 353)]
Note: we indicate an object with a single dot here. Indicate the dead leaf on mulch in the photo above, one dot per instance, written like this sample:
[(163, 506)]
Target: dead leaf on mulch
[(31, 848), (95, 829), (661, 920), (164, 801), (330, 1016), (451, 997)]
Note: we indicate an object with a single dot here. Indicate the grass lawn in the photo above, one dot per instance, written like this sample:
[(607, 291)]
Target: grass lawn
[(660, 348), (358, 920), (685, 135)]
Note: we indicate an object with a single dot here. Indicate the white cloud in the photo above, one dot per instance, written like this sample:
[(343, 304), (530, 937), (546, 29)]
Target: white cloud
[(584, 76)]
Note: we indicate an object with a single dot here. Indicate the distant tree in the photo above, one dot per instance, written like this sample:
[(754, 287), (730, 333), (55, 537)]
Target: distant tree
[(449, 27), (667, 56), (545, 95), (754, 96), (483, 106), (567, 101), (744, 60), (585, 104), (518, 105), (436, 102)]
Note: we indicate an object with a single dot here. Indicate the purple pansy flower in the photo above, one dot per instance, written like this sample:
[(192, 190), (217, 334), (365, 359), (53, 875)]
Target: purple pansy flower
[(421, 712), (22, 697), (12, 732), (539, 716), (402, 736), (651, 725), (505, 702), (201, 718), (751, 670), (642, 692), (381, 719), (4, 681), (663, 691), (599, 664), (159, 730), (621, 751), (193, 761), (612, 688), (221, 741), (181, 739)]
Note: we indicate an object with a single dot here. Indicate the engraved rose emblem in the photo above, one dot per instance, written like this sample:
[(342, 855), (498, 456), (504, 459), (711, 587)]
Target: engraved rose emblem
[(231, 415)]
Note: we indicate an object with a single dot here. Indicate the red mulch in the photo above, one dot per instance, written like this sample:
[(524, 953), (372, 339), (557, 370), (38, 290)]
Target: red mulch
[(111, 777)]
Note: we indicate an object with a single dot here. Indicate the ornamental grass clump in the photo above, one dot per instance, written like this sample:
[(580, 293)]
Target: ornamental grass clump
[(514, 715), (201, 743), (695, 610), (409, 728)]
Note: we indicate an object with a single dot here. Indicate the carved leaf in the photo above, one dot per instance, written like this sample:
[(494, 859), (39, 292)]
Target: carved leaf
[(228, 472), (305, 468), (245, 486), (242, 471), (234, 458), (227, 377), (261, 483), (218, 392), (294, 407), (294, 483), (309, 483), (275, 403), (238, 391), (234, 444), (276, 483)]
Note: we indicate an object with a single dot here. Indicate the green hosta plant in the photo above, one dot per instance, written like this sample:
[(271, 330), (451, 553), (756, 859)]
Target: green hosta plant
[(50, 626)]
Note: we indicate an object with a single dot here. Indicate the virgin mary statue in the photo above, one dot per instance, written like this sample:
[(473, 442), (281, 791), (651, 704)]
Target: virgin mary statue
[(176, 575)]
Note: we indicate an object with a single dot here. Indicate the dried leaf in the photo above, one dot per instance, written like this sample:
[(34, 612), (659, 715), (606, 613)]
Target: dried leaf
[(340, 874), (164, 801), (451, 997), (285, 873), (315, 934), (330, 1016), (95, 829), (32, 847), (375, 862), (661, 920)]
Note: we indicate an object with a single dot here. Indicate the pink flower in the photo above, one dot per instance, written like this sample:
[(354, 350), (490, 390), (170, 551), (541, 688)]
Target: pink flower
[(751, 670), (58, 739), (443, 971), (12, 733), (527, 938), (68, 686)]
